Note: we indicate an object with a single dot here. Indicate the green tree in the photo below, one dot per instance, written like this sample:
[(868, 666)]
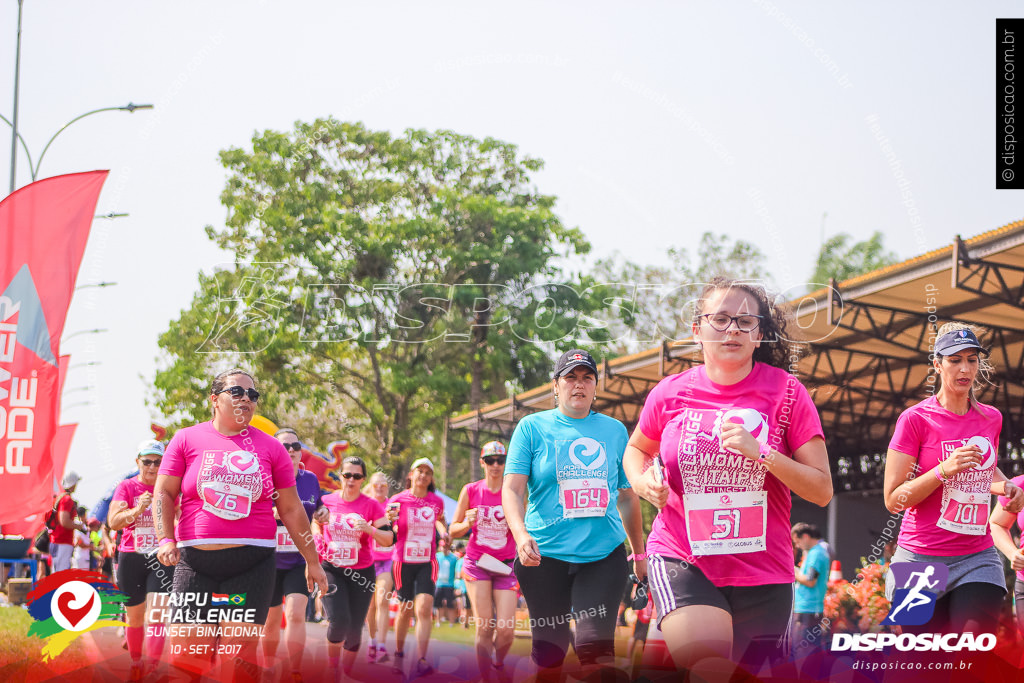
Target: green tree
[(842, 258), (651, 304), (380, 283)]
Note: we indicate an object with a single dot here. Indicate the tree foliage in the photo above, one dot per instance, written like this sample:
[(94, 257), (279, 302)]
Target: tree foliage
[(655, 303), (842, 258), (381, 282)]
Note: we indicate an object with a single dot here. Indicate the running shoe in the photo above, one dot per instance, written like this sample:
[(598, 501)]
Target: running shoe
[(398, 667), (382, 655), (371, 654), (423, 667), (135, 672)]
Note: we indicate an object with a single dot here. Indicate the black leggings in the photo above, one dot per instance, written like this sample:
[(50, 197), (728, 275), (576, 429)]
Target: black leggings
[(556, 591), (246, 570), (973, 607), (347, 607)]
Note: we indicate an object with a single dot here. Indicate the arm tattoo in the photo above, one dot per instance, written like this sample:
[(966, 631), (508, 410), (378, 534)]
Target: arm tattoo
[(158, 509)]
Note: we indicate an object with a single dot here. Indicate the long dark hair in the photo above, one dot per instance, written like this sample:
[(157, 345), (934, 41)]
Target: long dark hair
[(221, 379), (775, 349), (355, 460)]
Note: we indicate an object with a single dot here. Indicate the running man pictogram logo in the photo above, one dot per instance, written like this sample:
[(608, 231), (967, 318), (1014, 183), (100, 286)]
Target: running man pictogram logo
[(918, 586)]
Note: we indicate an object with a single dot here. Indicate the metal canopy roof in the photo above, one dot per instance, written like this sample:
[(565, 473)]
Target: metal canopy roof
[(868, 340)]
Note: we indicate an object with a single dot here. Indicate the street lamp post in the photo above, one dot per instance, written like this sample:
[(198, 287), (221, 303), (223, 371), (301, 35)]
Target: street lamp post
[(95, 284), (34, 169), (80, 332)]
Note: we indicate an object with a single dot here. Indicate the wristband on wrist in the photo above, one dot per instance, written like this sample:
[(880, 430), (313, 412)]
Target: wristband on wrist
[(942, 473), (936, 471), (638, 556), (164, 541), (763, 451)]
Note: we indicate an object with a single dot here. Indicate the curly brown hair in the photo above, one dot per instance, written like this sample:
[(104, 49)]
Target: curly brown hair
[(775, 349)]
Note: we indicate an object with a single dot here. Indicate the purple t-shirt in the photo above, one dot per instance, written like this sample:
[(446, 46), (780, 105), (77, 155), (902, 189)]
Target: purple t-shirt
[(343, 545), (140, 535), (953, 520), (727, 514), (227, 485), (490, 532), (308, 489)]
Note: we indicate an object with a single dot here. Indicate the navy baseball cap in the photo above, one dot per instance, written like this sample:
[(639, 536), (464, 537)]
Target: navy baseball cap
[(956, 341), (574, 358)]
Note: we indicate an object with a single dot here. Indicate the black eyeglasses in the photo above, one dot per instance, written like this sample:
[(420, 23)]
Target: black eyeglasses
[(150, 463), (721, 322), (238, 392), (351, 475), (292, 446), (493, 460)]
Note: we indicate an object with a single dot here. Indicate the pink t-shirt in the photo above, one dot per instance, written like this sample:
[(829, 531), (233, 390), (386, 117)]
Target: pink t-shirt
[(140, 535), (415, 526), (1019, 481), (342, 545), (228, 484), (381, 554), (725, 513), (953, 520), (490, 532)]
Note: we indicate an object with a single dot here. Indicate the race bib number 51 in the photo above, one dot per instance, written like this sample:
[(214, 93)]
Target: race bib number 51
[(227, 501), (720, 523)]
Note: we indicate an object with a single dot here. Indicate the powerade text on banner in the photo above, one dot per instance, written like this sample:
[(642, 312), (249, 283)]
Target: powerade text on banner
[(43, 230)]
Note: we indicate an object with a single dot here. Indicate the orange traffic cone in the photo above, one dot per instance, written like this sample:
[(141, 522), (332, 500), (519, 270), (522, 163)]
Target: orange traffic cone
[(836, 574)]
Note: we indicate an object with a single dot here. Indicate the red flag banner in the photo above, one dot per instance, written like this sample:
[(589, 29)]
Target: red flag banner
[(60, 449), (43, 230)]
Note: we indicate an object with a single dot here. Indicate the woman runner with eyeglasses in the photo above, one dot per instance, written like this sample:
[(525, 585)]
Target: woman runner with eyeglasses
[(940, 471), (738, 436), (487, 566), (229, 476), (378, 615), (418, 516), (139, 574), (290, 579), (344, 546)]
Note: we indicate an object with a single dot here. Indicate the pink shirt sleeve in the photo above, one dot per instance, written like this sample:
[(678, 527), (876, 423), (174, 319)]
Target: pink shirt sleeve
[(375, 511), (121, 492), (654, 416), (281, 466), (906, 438), (806, 423), (173, 463)]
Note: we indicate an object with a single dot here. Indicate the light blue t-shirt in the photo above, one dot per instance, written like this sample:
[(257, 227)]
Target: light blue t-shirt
[(446, 565), (811, 599), (575, 473)]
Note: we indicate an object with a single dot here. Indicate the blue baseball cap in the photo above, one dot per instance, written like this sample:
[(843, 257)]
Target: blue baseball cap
[(956, 341)]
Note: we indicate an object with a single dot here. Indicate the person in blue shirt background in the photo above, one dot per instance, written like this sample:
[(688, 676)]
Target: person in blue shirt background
[(571, 563), (444, 594), (811, 585)]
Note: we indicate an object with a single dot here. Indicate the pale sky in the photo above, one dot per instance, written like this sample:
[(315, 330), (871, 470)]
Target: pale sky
[(657, 121)]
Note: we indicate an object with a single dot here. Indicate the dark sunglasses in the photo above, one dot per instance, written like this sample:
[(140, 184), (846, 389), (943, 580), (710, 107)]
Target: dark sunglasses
[(238, 392), (493, 460), (293, 446), (351, 475), (149, 463)]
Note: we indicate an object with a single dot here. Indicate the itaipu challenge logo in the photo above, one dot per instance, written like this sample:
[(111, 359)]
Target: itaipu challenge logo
[(67, 604)]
